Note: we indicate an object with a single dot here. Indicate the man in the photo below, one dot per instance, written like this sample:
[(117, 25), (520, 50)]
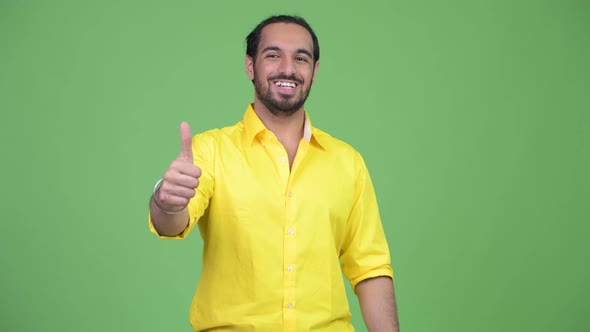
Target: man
[(279, 205)]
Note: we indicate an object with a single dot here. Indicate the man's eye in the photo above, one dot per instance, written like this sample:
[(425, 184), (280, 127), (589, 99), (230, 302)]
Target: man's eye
[(272, 56), (301, 59)]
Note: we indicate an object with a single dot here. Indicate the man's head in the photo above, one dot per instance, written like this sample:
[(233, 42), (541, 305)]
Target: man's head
[(253, 39), (282, 60)]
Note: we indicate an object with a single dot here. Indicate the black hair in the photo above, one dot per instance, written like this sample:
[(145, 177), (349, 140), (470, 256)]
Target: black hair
[(253, 38)]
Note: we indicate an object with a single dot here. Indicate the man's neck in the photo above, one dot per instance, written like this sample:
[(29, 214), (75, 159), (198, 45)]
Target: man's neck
[(286, 127)]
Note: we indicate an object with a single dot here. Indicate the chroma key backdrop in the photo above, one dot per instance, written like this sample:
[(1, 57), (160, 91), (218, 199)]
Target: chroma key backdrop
[(472, 117)]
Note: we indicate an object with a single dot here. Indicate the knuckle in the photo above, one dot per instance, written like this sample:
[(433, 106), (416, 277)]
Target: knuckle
[(175, 164), (163, 197), (168, 176)]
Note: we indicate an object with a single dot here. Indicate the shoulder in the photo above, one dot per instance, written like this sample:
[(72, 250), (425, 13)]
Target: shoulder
[(335, 145), (209, 144), (217, 135), (344, 154)]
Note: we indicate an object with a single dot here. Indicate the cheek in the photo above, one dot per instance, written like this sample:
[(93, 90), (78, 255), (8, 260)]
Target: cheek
[(262, 75), (263, 67), (307, 73)]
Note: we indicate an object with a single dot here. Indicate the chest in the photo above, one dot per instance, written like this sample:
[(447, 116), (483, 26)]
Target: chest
[(258, 194)]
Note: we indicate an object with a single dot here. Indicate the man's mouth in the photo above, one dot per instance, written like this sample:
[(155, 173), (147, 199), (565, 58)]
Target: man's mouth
[(285, 84)]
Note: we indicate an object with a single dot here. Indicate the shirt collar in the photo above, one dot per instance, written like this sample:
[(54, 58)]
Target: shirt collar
[(254, 126)]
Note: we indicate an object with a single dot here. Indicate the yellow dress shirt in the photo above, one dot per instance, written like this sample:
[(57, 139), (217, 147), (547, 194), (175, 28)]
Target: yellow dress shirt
[(276, 241)]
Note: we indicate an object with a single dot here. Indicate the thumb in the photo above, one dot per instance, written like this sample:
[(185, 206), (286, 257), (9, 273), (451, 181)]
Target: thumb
[(186, 151)]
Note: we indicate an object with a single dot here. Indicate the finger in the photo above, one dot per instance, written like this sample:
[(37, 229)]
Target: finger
[(182, 180), (182, 167), (180, 192), (171, 202), (186, 151)]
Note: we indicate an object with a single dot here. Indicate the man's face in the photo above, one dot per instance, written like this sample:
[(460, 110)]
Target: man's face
[(284, 69)]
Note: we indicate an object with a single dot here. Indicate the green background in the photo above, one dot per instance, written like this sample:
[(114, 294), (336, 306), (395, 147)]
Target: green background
[(472, 117)]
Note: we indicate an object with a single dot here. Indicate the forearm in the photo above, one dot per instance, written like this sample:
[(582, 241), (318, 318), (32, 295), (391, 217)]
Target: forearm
[(168, 224), (377, 301)]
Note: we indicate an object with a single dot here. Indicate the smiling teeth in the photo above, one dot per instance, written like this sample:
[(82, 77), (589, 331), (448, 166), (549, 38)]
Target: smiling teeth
[(285, 84)]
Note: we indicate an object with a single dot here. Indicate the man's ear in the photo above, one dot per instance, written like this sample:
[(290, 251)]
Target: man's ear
[(315, 70), (250, 67)]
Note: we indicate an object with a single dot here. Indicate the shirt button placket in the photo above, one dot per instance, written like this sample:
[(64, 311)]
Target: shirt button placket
[(289, 260)]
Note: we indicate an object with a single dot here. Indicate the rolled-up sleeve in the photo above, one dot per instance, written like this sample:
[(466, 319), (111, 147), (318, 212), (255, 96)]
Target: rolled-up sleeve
[(365, 252)]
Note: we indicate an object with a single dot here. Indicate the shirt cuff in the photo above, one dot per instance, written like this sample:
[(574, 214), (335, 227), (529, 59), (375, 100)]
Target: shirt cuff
[(383, 271), (180, 236)]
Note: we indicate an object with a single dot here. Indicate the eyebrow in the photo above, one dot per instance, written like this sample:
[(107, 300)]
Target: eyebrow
[(276, 48)]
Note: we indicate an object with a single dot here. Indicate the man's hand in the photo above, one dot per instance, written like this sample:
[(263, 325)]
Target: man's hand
[(182, 177)]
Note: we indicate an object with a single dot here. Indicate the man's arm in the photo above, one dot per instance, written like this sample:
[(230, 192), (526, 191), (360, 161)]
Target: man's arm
[(168, 224), (377, 300)]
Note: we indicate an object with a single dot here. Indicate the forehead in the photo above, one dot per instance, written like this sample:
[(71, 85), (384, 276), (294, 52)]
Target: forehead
[(286, 36)]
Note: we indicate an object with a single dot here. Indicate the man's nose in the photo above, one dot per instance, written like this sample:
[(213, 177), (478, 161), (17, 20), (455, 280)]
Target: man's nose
[(287, 66)]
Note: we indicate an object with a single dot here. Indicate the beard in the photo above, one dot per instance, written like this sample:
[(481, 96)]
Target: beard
[(281, 104)]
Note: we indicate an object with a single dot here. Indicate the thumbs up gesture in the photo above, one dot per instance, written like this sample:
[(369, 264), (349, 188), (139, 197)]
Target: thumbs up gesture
[(182, 177)]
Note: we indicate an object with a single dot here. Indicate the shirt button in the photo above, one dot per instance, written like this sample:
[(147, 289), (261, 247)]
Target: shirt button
[(290, 267), (270, 136), (283, 159), (289, 305), (290, 194), (291, 231)]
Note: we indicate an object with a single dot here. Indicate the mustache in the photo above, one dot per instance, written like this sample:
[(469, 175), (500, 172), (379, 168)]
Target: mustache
[(286, 77)]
